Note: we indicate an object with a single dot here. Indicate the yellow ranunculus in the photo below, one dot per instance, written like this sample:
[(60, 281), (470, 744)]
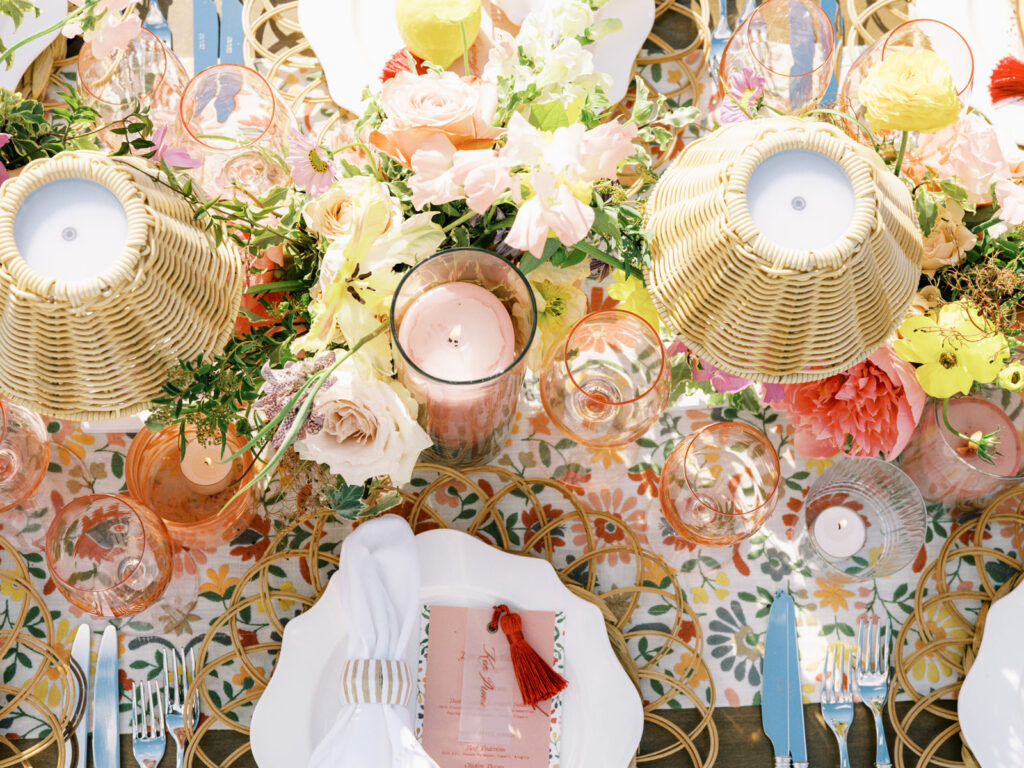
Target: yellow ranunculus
[(1012, 377), (910, 91), (434, 29)]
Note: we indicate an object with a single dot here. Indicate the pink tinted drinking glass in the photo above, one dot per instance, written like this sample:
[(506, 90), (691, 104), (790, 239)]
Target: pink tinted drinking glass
[(720, 484), (944, 466), (605, 381), (109, 555), (913, 35), (143, 71), (790, 45), (24, 454), (233, 119)]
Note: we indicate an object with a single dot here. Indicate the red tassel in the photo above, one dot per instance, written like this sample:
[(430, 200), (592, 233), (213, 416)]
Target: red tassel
[(1007, 80), (400, 62), (537, 680)]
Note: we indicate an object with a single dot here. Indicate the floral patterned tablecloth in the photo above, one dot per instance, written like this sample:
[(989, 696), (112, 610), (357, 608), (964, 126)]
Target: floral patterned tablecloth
[(730, 589)]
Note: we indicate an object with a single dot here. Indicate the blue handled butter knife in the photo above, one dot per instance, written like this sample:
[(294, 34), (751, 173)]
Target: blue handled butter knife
[(782, 712), (105, 753)]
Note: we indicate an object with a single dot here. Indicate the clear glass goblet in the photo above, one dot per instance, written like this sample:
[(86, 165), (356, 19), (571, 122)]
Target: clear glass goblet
[(24, 453)]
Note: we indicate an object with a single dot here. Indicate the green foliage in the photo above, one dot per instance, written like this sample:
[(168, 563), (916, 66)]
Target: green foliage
[(36, 134)]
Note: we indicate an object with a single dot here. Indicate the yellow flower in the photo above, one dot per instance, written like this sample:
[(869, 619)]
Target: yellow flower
[(1012, 377), (832, 594), (700, 595), (955, 347), (561, 304), (219, 581), (722, 578), (910, 91), (632, 295)]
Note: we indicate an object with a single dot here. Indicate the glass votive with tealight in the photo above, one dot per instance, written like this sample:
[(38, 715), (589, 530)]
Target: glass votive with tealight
[(865, 519), (461, 324)]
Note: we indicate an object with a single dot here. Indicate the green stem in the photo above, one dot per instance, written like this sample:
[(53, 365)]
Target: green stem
[(280, 285), (465, 48), (8, 53), (464, 217), (851, 118), (366, 151), (902, 152), (984, 445), (611, 261)]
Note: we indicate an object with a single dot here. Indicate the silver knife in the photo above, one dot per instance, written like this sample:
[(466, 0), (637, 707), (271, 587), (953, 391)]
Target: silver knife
[(797, 739), (780, 684), (105, 752), (81, 649)]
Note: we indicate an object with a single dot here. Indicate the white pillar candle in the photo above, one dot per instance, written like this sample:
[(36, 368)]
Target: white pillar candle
[(202, 468), (71, 229), (840, 532), (458, 332)]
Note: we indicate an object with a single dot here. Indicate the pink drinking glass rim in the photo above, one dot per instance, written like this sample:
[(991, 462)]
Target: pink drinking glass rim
[(493, 377), (970, 53), (3, 420), (156, 85), (601, 400), (937, 410), (51, 566), (266, 128), (745, 26), (758, 435)]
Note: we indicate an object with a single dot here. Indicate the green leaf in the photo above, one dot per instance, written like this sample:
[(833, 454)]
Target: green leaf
[(927, 210)]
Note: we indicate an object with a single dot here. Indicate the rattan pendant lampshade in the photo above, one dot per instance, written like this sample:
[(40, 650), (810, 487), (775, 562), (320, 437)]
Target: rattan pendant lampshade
[(140, 286), (782, 250)]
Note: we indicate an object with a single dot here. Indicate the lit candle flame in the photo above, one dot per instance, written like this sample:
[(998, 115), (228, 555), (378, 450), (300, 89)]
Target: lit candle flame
[(455, 336)]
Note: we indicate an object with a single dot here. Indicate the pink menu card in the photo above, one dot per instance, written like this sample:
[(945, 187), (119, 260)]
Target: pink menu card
[(470, 710)]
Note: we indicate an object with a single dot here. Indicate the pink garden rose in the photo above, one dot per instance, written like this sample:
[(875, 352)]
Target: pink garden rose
[(419, 107), (877, 403), (969, 150)]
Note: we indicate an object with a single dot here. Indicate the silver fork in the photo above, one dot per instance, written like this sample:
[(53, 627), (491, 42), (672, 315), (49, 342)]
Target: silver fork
[(720, 36), (148, 737), (175, 687), (875, 640), (837, 696)]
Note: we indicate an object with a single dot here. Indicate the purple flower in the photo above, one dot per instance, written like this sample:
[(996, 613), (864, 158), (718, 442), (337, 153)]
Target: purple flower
[(310, 168), (5, 139), (174, 157), (745, 88)]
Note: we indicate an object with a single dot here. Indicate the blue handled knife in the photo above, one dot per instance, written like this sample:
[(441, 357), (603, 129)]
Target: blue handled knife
[(232, 32), (781, 703), (105, 753), (205, 34)]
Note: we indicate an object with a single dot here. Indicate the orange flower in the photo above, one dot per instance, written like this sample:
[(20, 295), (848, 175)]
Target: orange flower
[(832, 593)]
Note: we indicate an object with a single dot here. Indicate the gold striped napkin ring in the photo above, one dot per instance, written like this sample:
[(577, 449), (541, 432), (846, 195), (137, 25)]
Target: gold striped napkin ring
[(376, 681)]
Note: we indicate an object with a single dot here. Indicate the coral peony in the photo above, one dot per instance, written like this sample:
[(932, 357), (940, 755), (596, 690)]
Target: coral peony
[(875, 406)]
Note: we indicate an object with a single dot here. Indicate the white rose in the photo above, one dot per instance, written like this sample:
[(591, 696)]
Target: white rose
[(369, 427)]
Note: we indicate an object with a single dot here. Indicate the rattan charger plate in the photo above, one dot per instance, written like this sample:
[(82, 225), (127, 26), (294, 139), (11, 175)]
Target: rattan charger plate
[(978, 564), (560, 530)]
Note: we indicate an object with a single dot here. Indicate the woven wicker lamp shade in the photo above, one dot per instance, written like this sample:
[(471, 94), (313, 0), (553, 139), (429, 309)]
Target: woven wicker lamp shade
[(762, 310), (100, 347)]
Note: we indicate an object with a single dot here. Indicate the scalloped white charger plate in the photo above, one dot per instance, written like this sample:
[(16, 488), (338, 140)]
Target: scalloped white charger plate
[(50, 12), (990, 706), (602, 714)]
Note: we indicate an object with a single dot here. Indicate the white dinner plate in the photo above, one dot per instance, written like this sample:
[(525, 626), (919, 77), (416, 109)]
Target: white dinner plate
[(991, 702), (50, 12), (602, 713)]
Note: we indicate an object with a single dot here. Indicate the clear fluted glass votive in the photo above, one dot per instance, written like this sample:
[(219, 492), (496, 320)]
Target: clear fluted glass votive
[(109, 555), (143, 72), (24, 454), (721, 484), (192, 495), (462, 322), (865, 518), (233, 119), (605, 381), (947, 468)]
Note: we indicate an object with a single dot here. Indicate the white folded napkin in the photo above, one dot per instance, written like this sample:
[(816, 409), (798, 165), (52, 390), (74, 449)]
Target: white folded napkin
[(380, 604)]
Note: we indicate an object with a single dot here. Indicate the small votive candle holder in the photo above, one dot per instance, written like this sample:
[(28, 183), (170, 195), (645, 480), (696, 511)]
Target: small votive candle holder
[(865, 519), (194, 507), (468, 421)]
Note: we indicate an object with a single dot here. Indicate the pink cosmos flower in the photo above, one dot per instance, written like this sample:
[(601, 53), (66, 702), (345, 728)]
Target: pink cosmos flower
[(173, 156), (309, 165), (114, 33), (551, 208), (5, 139), (877, 403), (1011, 202), (745, 87), (605, 147)]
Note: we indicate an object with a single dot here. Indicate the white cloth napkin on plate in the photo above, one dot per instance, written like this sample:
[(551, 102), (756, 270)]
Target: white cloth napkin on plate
[(380, 604)]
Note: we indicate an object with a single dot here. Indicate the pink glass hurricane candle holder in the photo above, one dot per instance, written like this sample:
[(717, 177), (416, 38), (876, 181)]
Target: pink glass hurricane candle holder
[(721, 484), (790, 45), (233, 120), (143, 71), (461, 323), (190, 493), (913, 35), (24, 454), (945, 466), (109, 555), (605, 381)]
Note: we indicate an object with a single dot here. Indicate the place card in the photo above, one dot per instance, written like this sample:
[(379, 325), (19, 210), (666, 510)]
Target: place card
[(469, 708)]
